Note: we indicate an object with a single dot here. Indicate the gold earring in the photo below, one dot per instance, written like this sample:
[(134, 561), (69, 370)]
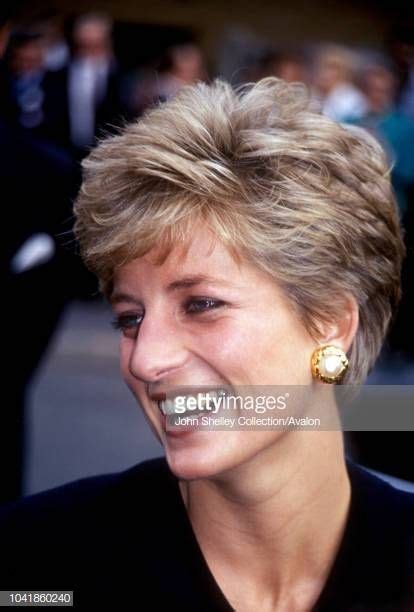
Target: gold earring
[(329, 363)]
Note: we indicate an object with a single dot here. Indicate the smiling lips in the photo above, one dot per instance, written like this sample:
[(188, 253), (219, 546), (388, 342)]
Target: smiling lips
[(191, 403)]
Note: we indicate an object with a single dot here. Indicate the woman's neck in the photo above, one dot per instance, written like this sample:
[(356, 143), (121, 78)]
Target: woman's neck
[(274, 523)]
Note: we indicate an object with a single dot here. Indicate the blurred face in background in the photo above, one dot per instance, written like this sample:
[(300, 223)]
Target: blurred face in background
[(331, 69), (379, 85), (187, 63), (290, 71), (92, 40), (27, 58), (285, 66)]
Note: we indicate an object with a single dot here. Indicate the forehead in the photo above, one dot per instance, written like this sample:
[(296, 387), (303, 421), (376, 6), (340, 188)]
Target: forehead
[(204, 255)]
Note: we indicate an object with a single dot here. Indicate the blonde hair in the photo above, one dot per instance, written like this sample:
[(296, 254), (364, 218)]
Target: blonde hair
[(304, 198)]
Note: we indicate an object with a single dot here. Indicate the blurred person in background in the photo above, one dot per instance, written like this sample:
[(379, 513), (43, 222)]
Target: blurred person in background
[(287, 65), (184, 65), (39, 272), (400, 45), (390, 125), (56, 48), (143, 90), (21, 80), (333, 75), (181, 65), (83, 99)]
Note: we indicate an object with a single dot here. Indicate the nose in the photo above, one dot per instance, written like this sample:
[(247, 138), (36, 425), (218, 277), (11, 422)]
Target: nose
[(158, 350)]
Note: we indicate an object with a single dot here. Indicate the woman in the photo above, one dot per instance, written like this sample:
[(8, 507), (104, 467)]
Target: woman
[(243, 241)]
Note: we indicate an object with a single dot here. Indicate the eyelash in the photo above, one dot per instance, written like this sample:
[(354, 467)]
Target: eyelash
[(127, 321)]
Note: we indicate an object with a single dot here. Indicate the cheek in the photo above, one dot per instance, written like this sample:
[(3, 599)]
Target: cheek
[(288, 352), (246, 349), (223, 345), (269, 347)]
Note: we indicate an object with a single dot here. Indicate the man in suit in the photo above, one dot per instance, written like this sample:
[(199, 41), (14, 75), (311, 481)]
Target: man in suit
[(84, 97)]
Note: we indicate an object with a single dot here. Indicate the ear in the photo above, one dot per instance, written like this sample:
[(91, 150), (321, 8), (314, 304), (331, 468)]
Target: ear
[(341, 329)]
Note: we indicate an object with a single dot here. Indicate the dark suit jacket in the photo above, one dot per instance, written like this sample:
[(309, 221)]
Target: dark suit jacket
[(122, 539), (56, 126)]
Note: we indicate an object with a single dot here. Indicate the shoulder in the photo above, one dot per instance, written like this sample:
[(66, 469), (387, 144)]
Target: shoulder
[(80, 498), (382, 515), (376, 559), (372, 492), (95, 535), (374, 567)]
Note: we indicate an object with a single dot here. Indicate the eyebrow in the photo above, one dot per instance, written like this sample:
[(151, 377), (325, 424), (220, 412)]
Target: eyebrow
[(182, 283), (195, 279)]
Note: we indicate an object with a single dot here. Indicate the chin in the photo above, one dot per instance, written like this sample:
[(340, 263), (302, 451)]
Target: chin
[(187, 465), (191, 462), (204, 458)]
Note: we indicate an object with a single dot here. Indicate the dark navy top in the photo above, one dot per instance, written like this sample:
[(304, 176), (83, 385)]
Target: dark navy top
[(124, 539)]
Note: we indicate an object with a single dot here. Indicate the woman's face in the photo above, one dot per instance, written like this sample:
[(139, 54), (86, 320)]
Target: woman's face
[(205, 320)]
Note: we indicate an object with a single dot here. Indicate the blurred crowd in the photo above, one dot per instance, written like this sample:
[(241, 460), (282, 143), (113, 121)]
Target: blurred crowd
[(61, 80), (63, 85), (67, 86)]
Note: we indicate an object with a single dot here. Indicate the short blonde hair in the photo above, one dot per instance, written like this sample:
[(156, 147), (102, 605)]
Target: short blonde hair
[(304, 198)]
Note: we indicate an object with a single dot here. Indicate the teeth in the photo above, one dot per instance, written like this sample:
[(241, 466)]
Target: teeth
[(167, 406), (178, 405)]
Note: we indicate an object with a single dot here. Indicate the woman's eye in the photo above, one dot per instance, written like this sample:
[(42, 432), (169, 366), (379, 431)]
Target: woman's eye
[(198, 305), (128, 324)]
